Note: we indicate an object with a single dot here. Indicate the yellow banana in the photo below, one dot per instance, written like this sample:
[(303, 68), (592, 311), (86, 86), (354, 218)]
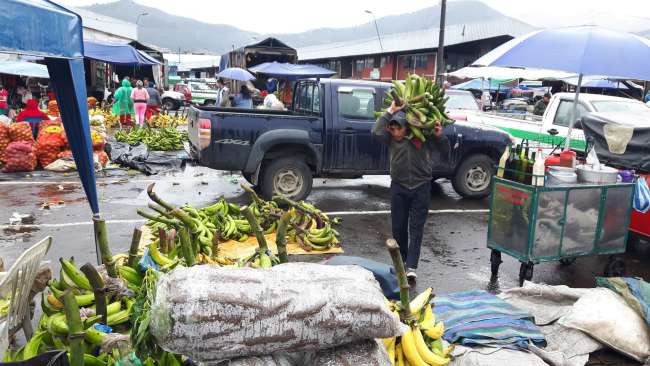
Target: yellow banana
[(429, 318), (157, 256), (435, 332), (420, 301), (410, 348), (424, 351), (389, 343), (54, 302), (399, 355)]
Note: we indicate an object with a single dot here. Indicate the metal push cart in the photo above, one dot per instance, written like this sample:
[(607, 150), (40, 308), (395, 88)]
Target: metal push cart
[(558, 223)]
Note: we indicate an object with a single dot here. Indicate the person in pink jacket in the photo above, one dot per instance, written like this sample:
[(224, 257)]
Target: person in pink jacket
[(140, 97)]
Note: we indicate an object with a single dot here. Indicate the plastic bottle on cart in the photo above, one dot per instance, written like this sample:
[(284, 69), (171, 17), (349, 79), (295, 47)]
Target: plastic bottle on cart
[(539, 168), (516, 164), (529, 169), (510, 164), (502, 162), (525, 160)]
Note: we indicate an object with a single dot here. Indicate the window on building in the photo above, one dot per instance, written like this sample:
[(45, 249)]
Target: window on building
[(408, 62), (370, 63), (421, 61), (385, 60), (359, 65)]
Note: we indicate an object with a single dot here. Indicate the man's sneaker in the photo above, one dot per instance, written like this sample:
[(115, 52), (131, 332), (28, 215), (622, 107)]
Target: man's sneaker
[(411, 275)]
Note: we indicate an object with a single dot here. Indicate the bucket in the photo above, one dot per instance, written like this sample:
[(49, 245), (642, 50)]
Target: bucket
[(605, 175), (559, 175)]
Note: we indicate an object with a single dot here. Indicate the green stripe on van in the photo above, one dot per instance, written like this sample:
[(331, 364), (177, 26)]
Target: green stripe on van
[(542, 137)]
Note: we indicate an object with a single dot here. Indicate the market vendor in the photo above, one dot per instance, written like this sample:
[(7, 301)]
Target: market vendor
[(4, 94), (33, 115), (411, 172), (122, 103), (154, 102)]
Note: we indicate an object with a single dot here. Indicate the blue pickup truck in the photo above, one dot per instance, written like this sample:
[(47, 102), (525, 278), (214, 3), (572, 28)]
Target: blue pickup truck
[(327, 133)]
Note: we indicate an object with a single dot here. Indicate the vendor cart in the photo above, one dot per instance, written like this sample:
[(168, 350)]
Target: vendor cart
[(558, 223)]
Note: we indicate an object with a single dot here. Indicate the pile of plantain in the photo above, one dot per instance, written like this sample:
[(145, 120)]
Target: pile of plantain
[(163, 119), (190, 235), (183, 236), (162, 139), (425, 105)]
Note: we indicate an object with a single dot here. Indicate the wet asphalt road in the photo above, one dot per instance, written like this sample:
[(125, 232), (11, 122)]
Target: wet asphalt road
[(454, 254)]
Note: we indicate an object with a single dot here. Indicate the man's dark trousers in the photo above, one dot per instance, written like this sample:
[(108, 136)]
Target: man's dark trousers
[(409, 209)]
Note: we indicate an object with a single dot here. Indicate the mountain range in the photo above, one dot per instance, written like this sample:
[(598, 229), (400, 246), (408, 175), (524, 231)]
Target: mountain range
[(174, 32)]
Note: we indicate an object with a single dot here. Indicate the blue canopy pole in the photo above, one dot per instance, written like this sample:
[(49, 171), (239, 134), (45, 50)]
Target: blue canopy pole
[(67, 78)]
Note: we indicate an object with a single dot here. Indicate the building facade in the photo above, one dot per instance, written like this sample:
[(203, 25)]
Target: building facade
[(412, 52)]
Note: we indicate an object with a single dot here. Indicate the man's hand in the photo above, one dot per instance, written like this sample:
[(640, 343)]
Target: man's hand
[(437, 129), (395, 108)]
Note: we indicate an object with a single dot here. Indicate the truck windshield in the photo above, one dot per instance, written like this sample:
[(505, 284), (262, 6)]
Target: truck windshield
[(200, 86), (461, 101), (620, 106)]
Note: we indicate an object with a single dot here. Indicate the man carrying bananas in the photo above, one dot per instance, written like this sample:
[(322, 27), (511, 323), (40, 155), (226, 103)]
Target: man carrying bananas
[(411, 165)]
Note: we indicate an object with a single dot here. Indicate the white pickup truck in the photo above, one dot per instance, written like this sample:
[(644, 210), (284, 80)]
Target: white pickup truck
[(552, 127)]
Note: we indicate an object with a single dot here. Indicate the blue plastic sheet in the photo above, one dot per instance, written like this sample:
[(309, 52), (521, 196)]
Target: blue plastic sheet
[(24, 68), (40, 28), (291, 71), (119, 54)]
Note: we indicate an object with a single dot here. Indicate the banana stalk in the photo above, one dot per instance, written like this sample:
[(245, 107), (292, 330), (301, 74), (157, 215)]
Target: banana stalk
[(404, 287), (101, 237), (76, 335), (97, 283), (265, 260), (281, 237), (133, 249)]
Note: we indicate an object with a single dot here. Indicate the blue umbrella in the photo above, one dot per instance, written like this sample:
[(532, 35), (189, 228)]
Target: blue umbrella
[(236, 73), (584, 50)]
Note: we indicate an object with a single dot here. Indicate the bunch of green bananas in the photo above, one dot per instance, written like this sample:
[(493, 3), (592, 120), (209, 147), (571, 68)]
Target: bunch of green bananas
[(53, 332), (421, 344), (311, 228), (425, 105), (162, 139)]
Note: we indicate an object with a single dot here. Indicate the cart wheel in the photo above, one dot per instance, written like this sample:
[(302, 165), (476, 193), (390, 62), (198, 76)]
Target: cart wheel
[(615, 267), (495, 261), (567, 261), (525, 272)]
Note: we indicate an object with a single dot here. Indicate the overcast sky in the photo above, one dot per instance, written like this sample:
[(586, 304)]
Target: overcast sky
[(290, 16)]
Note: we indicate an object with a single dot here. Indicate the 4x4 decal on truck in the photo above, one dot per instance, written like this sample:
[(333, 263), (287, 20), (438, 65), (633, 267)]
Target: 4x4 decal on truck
[(233, 142)]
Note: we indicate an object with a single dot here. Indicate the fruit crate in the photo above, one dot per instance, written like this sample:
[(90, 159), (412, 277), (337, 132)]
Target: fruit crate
[(558, 223)]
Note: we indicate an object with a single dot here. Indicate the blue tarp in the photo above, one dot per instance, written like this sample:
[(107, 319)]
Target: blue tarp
[(42, 28), (480, 84), (118, 54), (291, 71), (24, 68)]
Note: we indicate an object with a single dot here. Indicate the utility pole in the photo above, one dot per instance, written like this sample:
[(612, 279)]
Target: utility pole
[(440, 57)]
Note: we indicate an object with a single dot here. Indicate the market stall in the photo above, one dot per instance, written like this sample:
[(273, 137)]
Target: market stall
[(54, 33)]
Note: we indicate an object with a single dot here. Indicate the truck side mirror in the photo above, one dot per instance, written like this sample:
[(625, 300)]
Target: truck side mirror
[(553, 131)]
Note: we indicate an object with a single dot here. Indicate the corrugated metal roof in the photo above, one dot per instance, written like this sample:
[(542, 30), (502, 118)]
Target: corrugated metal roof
[(416, 40), (107, 24)]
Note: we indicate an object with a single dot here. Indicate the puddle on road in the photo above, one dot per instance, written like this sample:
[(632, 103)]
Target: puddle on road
[(197, 186), (15, 235)]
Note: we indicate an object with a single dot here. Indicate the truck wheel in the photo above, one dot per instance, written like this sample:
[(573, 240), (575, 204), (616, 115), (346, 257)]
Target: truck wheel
[(170, 104), (290, 177), (473, 176)]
